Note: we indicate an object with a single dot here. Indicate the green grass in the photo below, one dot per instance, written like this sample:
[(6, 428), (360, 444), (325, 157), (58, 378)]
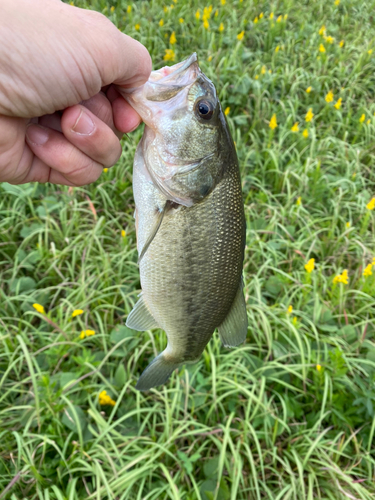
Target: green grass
[(289, 415)]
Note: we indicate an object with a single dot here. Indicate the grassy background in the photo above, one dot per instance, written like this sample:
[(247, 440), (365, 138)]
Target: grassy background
[(289, 415)]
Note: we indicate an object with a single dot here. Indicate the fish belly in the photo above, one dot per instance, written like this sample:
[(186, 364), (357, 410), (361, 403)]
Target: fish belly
[(192, 269)]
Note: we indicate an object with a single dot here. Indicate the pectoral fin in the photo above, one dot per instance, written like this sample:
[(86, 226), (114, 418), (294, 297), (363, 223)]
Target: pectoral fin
[(140, 318), (233, 329), (154, 230)]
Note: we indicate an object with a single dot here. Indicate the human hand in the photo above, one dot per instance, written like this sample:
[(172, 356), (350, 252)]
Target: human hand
[(60, 116)]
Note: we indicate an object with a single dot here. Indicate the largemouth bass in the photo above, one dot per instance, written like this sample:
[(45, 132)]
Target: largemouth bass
[(189, 218)]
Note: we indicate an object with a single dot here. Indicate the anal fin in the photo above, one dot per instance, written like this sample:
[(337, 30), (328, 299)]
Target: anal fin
[(140, 318), (233, 329)]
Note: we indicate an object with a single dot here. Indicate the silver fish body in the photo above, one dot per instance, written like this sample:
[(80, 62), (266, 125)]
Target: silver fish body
[(189, 218)]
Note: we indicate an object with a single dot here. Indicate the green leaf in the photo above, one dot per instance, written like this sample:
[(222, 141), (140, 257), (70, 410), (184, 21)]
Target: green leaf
[(207, 489), (121, 332), (274, 286), (66, 378), (120, 375), (70, 420), (29, 230), (24, 284), (210, 467)]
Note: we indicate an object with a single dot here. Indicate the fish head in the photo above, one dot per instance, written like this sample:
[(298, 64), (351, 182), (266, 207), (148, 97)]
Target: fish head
[(184, 126)]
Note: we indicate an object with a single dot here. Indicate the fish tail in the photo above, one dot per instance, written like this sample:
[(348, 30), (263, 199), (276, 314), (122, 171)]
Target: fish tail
[(157, 373)]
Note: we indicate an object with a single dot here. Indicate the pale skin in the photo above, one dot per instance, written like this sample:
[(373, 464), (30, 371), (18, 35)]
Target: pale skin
[(61, 115)]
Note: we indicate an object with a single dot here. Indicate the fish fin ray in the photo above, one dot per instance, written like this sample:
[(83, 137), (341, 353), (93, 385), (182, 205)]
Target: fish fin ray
[(233, 330), (140, 318), (154, 230), (156, 373)]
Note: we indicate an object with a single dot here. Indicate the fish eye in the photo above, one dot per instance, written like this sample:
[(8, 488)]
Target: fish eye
[(204, 109)]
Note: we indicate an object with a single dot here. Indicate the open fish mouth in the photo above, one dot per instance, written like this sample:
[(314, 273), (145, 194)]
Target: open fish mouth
[(166, 82)]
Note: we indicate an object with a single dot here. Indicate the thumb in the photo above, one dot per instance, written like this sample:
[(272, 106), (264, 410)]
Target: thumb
[(119, 58)]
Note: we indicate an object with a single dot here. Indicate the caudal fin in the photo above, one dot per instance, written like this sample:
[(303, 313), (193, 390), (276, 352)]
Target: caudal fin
[(157, 373)]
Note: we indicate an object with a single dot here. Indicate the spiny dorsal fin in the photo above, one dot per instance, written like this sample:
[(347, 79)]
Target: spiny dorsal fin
[(140, 318), (233, 329)]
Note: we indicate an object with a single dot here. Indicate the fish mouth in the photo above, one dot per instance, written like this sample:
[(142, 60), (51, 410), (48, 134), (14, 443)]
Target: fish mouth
[(168, 81)]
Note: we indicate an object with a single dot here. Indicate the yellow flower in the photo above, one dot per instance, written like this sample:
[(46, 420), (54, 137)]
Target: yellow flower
[(129, 9), (338, 103), (77, 312), (226, 112), (263, 70), (240, 35), (285, 17), (172, 39), (368, 122), (329, 39), (299, 201), (369, 52), (137, 26), (294, 320), (261, 15), (256, 20), (256, 77), (271, 16), (221, 27), (181, 21), (341, 278), (86, 333), (318, 367), (165, 9), (305, 133), (216, 13), (169, 55), (104, 399), (273, 122), (209, 58), (210, 9), (371, 204), (123, 233), (322, 30), (373, 261), (206, 24), (362, 119), (367, 271), (341, 44), (197, 15), (39, 308), (161, 23), (321, 48), (309, 115), (223, 2), (329, 96), (277, 48), (171, 6), (279, 19), (112, 9), (295, 127), (347, 225), (337, 3), (105, 170), (290, 309), (310, 265)]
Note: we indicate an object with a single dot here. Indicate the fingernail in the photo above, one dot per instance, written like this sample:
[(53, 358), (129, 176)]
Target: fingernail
[(37, 134), (84, 125)]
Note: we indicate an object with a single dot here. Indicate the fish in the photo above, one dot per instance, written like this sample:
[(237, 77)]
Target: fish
[(189, 219)]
